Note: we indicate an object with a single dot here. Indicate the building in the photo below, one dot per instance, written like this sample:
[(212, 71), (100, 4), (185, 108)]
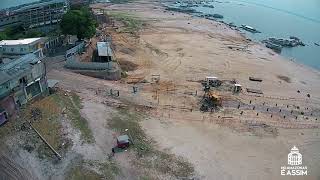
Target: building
[(34, 15), (21, 46), (79, 2), (21, 80), (104, 52), (39, 46)]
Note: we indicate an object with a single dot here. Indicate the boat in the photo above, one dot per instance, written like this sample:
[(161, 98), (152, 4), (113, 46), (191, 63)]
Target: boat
[(249, 28), (275, 47), (219, 16)]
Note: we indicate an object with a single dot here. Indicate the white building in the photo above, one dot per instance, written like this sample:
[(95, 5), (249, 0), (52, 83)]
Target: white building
[(21, 46)]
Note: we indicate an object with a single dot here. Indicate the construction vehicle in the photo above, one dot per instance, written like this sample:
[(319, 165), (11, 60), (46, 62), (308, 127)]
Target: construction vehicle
[(210, 101), (212, 81)]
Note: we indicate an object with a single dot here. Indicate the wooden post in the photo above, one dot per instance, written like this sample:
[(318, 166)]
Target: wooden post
[(45, 141)]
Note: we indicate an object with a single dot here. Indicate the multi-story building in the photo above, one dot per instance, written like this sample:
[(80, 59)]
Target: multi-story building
[(79, 2), (21, 80), (34, 15)]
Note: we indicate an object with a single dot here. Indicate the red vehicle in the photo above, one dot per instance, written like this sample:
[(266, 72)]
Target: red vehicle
[(123, 141)]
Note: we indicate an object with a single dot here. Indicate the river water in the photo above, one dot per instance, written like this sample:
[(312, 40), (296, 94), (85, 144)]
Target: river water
[(276, 18), (10, 3)]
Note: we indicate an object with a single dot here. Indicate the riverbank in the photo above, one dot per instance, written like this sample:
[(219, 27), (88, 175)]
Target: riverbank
[(224, 52), (286, 43), (182, 50), (286, 22)]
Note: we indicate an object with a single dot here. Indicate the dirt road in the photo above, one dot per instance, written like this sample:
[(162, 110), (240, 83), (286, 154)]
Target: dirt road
[(183, 50)]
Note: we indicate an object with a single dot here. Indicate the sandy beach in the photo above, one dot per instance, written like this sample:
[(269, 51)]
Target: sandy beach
[(183, 50), (158, 101)]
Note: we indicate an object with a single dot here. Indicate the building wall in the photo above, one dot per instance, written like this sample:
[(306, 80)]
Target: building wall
[(24, 87), (21, 49), (41, 14), (4, 89), (8, 104), (17, 49), (8, 21)]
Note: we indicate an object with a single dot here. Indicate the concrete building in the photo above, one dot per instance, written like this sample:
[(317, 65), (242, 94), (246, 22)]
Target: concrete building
[(20, 81), (34, 15), (79, 2), (39, 46), (21, 46)]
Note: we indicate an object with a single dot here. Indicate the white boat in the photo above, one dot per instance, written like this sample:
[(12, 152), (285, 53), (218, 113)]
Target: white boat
[(249, 28)]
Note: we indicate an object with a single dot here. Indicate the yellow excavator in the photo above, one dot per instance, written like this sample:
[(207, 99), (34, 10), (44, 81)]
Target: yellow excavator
[(210, 101)]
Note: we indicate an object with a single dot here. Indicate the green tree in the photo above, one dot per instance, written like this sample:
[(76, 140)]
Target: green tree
[(78, 22), (3, 36), (33, 33)]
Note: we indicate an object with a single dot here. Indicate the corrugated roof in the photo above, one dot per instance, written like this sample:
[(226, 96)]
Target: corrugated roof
[(17, 67), (104, 49), (19, 41), (4, 77), (52, 82)]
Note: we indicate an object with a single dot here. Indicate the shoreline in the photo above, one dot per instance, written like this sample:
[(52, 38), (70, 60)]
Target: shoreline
[(257, 56), (241, 33), (183, 50)]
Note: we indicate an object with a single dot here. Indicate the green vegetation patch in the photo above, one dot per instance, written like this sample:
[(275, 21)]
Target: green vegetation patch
[(45, 116), (19, 32), (82, 173), (103, 170), (131, 23), (71, 104), (148, 155)]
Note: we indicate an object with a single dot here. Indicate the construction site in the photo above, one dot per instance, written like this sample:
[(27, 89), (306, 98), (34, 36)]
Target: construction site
[(168, 83)]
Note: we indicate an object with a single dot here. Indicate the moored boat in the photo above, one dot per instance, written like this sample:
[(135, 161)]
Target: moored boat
[(249, 28)]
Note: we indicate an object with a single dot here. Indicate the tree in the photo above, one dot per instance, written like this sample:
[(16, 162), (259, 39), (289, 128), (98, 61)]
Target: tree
[(3, 36), (33, 33), (78, 22)]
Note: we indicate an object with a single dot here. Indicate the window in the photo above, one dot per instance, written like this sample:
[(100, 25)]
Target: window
[(21, 49), (23, 80), (12, 49)]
